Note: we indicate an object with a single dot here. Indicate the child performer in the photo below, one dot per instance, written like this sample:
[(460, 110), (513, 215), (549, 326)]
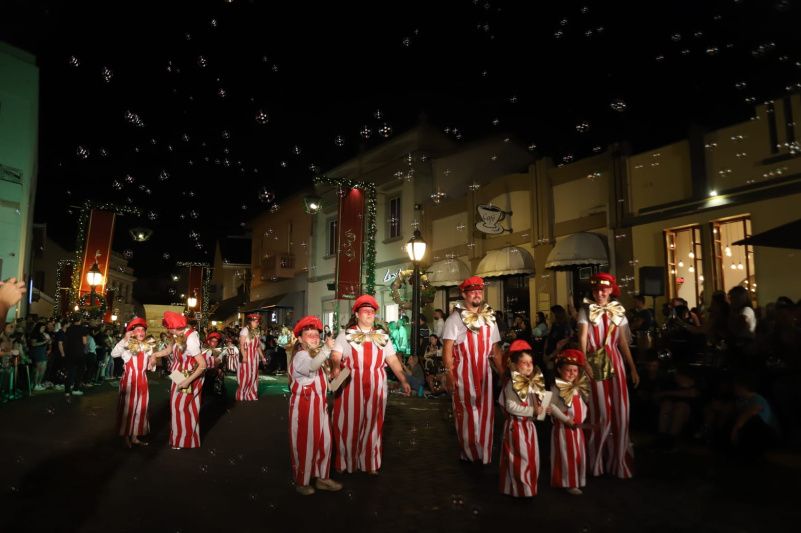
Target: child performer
[(520, 398), (309, 425), (250, 348), (569, 410), (230, 355), (213, 356), (185, 396), (132, 421)]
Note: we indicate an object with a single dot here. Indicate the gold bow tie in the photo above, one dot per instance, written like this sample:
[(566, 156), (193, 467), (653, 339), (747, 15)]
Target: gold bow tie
[(613, 310), (568, 390), (376, 337), (523, 385), (474, 320), (136, 346)]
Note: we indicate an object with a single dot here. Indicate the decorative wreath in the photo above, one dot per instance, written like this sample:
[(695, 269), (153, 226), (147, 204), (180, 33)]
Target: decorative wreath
[(100, 305), (404, 276)]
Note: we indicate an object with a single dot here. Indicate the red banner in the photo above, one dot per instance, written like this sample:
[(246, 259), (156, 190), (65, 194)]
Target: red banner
[(195, 288), (98, 246), (350, 237)]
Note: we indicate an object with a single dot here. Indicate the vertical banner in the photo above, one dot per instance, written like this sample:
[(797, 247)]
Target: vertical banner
[(99, 234), (195, 288), (350, 236)]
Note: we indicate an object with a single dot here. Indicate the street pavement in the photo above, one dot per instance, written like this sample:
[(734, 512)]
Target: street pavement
[(63, 469)]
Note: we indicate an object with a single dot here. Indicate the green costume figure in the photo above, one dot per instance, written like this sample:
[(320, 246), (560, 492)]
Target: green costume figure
[(399, 333)]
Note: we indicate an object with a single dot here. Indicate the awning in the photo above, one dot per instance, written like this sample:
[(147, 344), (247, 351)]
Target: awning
[(227, 308), (447, 273), (578, 249), (784, 236), (263, 304), (508, 261)]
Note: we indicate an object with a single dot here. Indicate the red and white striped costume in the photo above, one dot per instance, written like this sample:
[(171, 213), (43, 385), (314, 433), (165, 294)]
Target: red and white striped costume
[(473, 412), (360, 404), (568, 456), (309, 425), (608, 447), (231, 358), (185, 406), (520, 454), (247, 374), (134, 393)]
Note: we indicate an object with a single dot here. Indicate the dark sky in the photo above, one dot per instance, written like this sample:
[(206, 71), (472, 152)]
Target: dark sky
[(192, 110)]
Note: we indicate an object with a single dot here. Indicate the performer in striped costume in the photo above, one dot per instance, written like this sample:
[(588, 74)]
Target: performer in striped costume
[(185, 396), (521, 399), (569, 410), (602, 325), (309, 425), (213, 356), (360, 404), (230, 355), (132, 421), (250, 354), (469, 339)]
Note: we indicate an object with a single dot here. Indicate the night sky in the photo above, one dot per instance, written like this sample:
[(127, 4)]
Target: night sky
[(204, 114)]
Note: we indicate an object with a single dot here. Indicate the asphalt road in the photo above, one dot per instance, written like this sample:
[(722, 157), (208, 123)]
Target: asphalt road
[(63, 469)]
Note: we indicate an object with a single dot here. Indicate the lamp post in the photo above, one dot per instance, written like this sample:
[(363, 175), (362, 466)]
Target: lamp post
[(191, 302), (416, 248), (94, 277)]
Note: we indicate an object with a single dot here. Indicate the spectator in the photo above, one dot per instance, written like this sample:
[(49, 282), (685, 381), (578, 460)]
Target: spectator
[(539, 333), (676, 405), (434, 369), (558, 336), (439, 322), (642, 324), (40, 341), (74, 348)]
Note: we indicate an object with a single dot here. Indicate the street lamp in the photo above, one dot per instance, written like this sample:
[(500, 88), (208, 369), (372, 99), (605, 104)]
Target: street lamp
[(416, 248), (94, 277), (191, 302)]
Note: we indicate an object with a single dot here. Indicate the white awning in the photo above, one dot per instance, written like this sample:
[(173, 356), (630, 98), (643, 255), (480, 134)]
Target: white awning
[(448, 273), (578, 249), (508, 261)]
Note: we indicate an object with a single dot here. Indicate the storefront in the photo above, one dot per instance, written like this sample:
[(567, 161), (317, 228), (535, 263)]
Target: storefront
[(508, 271), (576, 258)]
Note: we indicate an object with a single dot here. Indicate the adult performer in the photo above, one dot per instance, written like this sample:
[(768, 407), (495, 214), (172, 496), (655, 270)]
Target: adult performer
[(603, 337), (469, 339), (132, 421), (250, 351), (309, 425), (360, 404), (185, 396)]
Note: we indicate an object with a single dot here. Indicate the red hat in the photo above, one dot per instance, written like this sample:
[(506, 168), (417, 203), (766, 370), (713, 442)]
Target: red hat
[(473, 283), (365, 300), (307, 322), (214, 335), (605, 279), (519, 345), (251, 316), (173, 320), (136, 322), (570, 357)]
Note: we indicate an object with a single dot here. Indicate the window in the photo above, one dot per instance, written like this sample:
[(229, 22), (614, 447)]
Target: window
[(734, 264), (331, 243), (394, 221), (685, 264), (391, 313)]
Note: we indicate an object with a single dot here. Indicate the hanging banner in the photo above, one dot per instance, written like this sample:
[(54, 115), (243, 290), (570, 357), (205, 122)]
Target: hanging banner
[(99, 234), (350, 236)]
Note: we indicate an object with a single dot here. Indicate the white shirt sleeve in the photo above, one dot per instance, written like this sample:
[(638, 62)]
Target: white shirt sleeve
[(452, 330), (193, 344), (389, 349), (341, 344), (244, 332), (119, 349), (301, 363), (750, 319), (557, 405), (439, 326), (495, 335), (582, 316)]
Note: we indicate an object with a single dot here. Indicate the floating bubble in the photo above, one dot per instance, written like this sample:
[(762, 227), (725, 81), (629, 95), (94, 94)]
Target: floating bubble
[(339, 140), (385, 130), (222, 93), (366, 132), (194, 214), (74, 61), (378, 114), (261, 117), (266, 195), (202, 62), (407, 42), (583, 126), (226, 135), (82, 152), (171, 291), (213, 23), (676, 37), (296, 150), (107, 74), (274, 208), (283, 164), (204, 468), (117, 184), (244, 207), (127, 254), (618, 105), (165, 255)]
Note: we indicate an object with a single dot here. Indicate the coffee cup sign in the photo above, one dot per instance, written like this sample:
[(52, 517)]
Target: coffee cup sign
[(491, 217)]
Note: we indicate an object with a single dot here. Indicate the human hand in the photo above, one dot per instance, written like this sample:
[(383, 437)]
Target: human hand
[(635, 377), (407, 389), (549, 410), (184, 384), (539, 410), (11, 291), (588, 370), (330, 342), (449, 383)]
